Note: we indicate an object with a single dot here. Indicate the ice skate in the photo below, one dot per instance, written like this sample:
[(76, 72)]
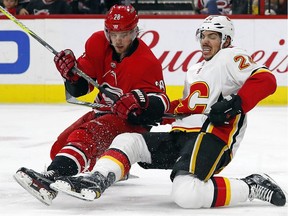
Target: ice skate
[(37, 184), (263, 187), (86, 187)]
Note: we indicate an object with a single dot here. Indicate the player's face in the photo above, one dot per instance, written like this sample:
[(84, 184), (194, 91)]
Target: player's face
[(210, 42), (121, 41)]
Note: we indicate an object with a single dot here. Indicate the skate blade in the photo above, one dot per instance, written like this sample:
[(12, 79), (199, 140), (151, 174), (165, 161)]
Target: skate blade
[(131, 176), (25, 181), (65, 187)]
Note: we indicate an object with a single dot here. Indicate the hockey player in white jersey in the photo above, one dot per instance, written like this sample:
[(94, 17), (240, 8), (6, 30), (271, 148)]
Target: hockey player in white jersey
[(218, 93)]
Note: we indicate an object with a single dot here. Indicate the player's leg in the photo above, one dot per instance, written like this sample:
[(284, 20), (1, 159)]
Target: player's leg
[(62, 138), (194, 183), (83, 145), (125, 150), (37, 183), (190, 192), (88, 142)]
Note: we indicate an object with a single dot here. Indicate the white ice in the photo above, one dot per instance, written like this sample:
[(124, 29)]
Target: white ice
[(27, 132)]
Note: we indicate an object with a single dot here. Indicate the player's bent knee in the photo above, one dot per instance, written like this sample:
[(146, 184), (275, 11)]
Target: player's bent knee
[(124, 141), (186, 191), (134, 146)]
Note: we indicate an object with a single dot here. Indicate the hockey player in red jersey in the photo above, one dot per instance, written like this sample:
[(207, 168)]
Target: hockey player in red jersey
[(122, 64), (218, 93)]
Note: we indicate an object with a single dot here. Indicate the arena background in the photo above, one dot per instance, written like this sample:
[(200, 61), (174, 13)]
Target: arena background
[(28, 74)]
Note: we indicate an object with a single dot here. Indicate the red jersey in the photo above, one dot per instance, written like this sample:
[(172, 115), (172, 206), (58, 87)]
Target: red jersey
[(140, 69), (93, 134)]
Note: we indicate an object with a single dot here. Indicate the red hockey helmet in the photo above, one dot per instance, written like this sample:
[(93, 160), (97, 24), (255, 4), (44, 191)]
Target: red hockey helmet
[(121, 18)]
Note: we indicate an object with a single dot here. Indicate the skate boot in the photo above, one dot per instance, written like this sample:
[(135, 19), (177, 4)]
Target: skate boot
[(37, 184), (264, 188), (86, 187)]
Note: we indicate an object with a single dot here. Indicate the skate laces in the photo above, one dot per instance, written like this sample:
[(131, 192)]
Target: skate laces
[(260, 192)]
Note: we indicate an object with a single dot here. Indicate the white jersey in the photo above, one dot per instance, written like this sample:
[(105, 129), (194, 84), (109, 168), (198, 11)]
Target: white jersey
[(208, 82)]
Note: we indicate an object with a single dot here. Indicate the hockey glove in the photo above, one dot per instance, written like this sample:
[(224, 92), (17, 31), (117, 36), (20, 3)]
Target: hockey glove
[(222, 112), (132, 103), (65, 61)]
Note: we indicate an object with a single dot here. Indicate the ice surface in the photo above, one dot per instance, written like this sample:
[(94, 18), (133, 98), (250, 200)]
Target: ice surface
[(27, 132)]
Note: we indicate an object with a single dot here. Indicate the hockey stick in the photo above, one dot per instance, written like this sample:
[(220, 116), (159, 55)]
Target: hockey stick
[(76, 70), (72, 100), (52, 50)]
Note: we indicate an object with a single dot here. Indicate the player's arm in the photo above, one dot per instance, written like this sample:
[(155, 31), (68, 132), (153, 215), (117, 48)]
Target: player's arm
[(65, 61), (140, 107), (258, 86), (158, 105)]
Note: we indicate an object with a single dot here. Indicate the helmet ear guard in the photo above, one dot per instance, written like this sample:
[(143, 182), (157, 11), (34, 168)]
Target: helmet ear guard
[(134, 33)]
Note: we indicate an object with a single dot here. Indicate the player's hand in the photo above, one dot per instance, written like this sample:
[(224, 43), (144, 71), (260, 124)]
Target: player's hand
[(132, 103), (65, 61), (222, 112)]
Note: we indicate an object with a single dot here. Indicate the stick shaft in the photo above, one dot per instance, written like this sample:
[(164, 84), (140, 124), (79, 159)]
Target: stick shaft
[(73, 100), (51, 49), (27, 30)]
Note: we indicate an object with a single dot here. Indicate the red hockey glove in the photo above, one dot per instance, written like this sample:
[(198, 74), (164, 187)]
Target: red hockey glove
[(133, 102), (65, 61), (222, 112)]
